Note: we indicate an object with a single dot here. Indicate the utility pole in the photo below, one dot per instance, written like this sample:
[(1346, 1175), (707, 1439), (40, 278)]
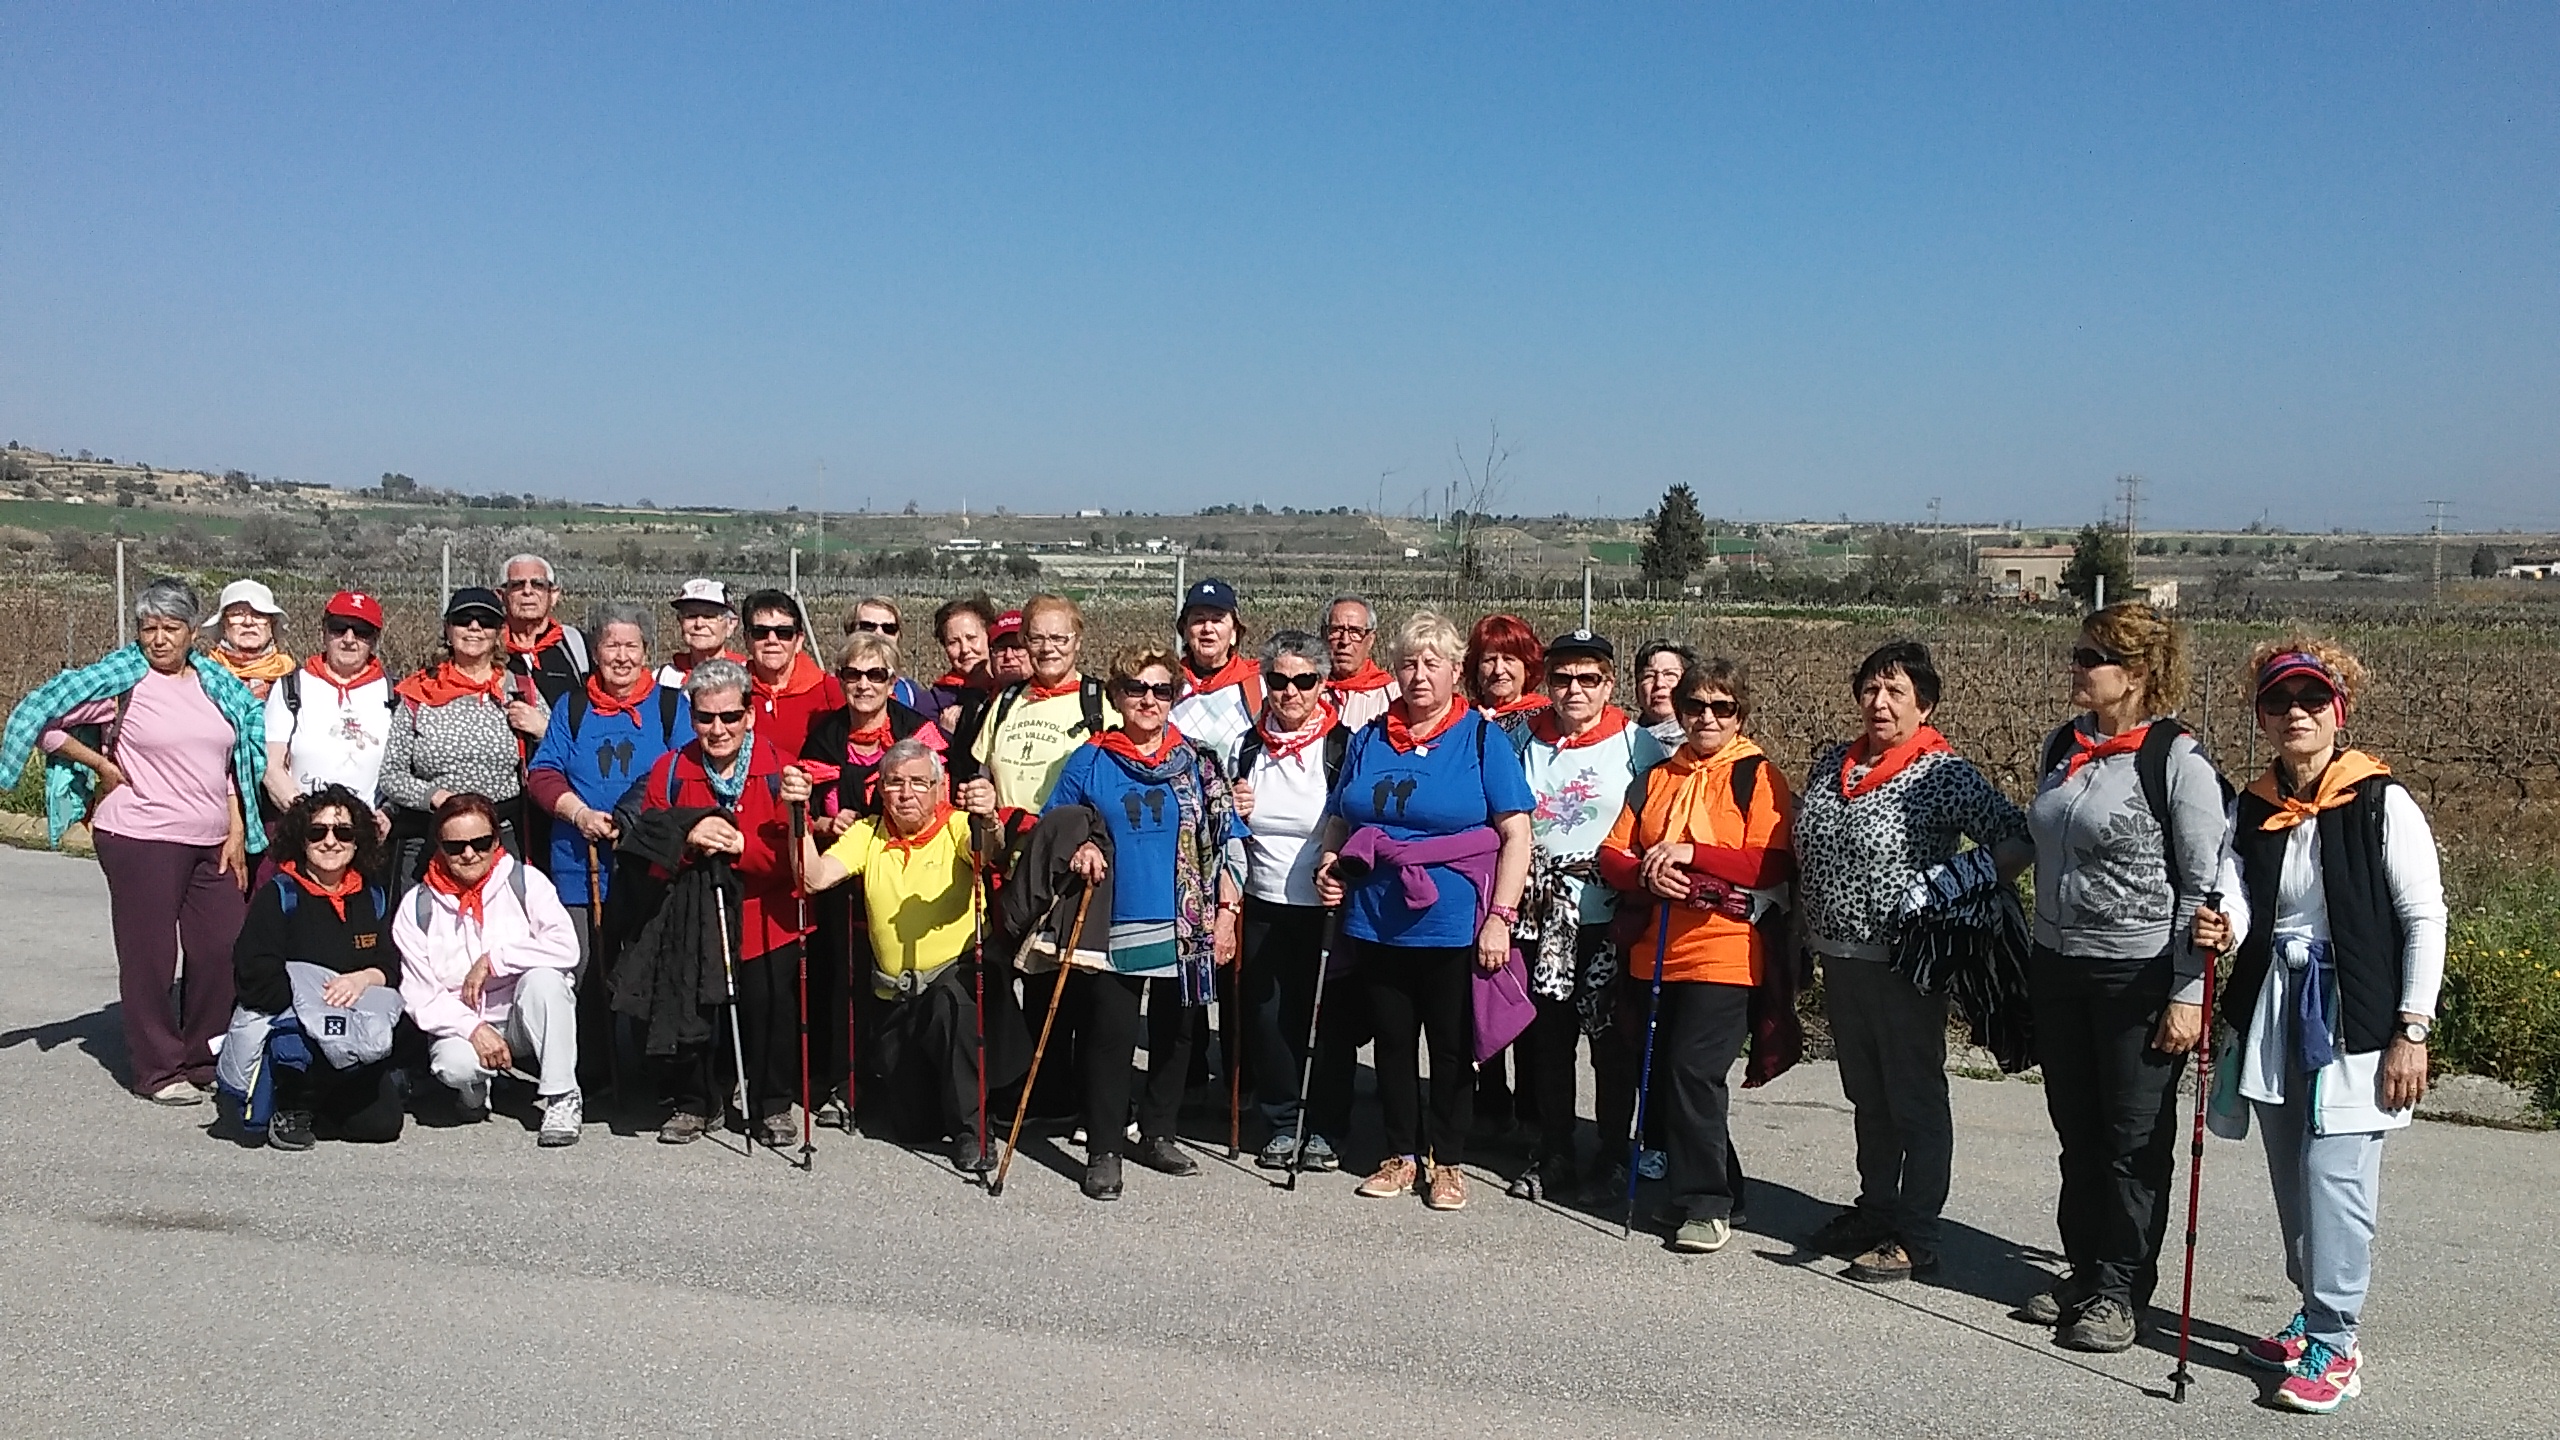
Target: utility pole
[(2131, 488), (821, 561), (1935, 504), (1586, 592), (2438, 511)]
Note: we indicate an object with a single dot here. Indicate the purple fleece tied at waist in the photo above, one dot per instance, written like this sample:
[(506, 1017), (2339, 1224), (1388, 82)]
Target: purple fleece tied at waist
[(1469, 852)]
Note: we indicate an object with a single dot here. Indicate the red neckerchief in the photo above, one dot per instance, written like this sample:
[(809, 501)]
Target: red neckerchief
[(1926, 741), (1282, 746), (466, 901), (603, 702), (1531, 701), (804, 677), (1034, 690), (319, 665), (1547, 728), (892, 840), (1236, 671), (2084, 749), (1119, 743), (1400, 728), (549, 637), (446, 683), (1368, 677), (347, 885), (685, 660), (954, 680), (876, 737)]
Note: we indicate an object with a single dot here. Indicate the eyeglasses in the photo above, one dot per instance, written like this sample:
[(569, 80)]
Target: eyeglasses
[(1582, 679), (523, 586), (1037, 641), (720, 717), (1304, 681), (774, 632), (350, 627), (1348, 632), (473, 621), (907, 782), (2310, 699), (1139, 689), (875, 627), (877, 675), (469, 844), (1692, 707), (316, 832), (2090, 658)]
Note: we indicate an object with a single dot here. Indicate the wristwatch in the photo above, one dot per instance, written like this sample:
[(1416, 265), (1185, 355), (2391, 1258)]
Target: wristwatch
[(1507, 914), (2414, 1031)]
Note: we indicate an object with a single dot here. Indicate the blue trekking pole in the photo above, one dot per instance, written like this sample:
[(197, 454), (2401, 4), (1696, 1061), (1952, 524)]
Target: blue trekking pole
[(1644, 1083)]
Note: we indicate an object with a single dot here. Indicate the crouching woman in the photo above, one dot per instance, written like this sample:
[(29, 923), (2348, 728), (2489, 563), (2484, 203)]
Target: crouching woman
[(486, 955)]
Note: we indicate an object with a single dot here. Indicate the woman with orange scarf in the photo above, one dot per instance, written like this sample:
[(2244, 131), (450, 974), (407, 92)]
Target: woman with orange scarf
[(1875, 815), (245, 623), (449, 735)]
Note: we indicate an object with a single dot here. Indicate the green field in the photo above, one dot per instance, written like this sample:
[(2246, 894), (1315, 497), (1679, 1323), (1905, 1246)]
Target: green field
[(51, 515)]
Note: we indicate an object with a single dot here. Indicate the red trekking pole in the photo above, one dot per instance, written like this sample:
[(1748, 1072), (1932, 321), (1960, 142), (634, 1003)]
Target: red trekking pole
[(2181, 1377), (800, 896)]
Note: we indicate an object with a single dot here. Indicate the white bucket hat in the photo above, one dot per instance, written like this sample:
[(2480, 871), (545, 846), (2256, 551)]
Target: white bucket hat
[(252, 593)]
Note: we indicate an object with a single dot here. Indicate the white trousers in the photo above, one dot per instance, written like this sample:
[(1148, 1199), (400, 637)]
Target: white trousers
[(541, 1025)]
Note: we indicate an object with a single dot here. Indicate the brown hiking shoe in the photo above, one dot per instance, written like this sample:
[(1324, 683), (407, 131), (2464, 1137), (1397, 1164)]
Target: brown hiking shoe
[(1448, 1188), (1395, 1176)]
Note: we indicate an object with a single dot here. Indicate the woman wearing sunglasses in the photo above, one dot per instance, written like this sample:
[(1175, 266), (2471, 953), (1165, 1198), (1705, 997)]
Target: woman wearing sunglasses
[(486, 956), (450, 736), (2128, 825), (2336, 904), (1174, 915), (325, 907), (790, 688), (1701, 844), (878, 616)]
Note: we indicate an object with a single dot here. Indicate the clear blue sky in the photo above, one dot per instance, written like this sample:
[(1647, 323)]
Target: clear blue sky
[(2294, 260)]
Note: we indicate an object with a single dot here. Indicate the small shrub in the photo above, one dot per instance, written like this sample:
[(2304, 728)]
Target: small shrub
[(2500, 1014)]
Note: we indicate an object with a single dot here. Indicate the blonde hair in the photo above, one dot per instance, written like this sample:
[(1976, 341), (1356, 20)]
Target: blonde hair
[(1135, 659), (2151, 646), (852, 617), (2339, 661), (868, 645), (1032, 607), (1432, 631)]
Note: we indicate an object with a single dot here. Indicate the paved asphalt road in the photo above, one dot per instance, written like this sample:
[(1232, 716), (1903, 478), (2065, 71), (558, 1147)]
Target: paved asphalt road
[(159, 1282)]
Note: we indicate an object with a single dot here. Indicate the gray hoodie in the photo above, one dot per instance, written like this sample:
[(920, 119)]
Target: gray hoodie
[(2103, 889)]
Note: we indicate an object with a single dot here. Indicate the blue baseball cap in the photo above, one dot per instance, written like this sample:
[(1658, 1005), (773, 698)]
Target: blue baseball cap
[(1215, 593)]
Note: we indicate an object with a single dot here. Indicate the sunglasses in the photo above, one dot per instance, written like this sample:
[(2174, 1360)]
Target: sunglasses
[(2088, 657), (473, 621), (877, 675), (720, 717), (350, 627), (521, 586), (1139, 689), (314, 833), (1307, 681), (2310, 699), (469, 844), (875, 627), (1691, 707), (774, 632), (1582, 679)]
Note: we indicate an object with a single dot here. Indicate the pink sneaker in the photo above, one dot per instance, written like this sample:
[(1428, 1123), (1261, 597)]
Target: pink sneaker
[(2280, 1351), (2324, 1380)]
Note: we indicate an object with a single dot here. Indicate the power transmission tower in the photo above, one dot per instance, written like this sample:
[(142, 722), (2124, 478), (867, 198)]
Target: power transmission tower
[(2130, 486), (2439, 511)]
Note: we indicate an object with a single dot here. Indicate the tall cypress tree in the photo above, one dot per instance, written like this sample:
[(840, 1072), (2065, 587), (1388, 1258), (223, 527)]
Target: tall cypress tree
[(1676, 547)]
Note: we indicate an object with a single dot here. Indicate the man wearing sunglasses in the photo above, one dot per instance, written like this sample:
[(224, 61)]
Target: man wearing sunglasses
[(791, 689), (327, 721)]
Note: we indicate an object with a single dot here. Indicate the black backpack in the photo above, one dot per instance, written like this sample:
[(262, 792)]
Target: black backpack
[(2151, 770), (1088, 691), (1337, 743), (668, 696), (292, 683)]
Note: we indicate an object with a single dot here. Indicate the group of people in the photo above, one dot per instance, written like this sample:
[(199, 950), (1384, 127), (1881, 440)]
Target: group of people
[(758, 891)]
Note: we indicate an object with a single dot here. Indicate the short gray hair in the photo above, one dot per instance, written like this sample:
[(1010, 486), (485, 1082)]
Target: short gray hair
[(170, 598), (906, 750), (715, 675), (549, 576), (610, 613), (1293, 642), (1365, 608)]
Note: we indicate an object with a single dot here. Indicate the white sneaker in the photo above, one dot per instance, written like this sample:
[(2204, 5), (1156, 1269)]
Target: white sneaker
[(561, 1119), (178, 1092), (472, 1099)]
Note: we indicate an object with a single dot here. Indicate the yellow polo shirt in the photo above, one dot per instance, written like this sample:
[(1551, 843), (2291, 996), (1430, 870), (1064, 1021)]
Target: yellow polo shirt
[(917, 896)]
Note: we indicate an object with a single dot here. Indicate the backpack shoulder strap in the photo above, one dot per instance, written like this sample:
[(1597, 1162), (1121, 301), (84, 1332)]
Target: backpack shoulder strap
[(2151, 770), (288, 894), (1249, 750), (668, 697), (1089, 693), (2057, 746), (578, 707), (574, 641), (1746, 783), (516, 882), (422, 909), (998, 709), (293, 693), (1337, 744)]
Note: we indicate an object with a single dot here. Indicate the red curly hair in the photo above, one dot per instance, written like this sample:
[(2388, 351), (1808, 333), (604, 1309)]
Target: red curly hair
[(1503, 635)]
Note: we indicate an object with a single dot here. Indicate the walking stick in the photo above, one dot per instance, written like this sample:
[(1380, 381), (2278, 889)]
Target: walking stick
[(737, 1043), (800, 897), (1057, 998), (2181, 1377), (1644, 1084), (595, 952), (1315, 1012)]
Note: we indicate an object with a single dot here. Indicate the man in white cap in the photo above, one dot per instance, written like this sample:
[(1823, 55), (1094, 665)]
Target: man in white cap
[(707, 622), (245, 625)]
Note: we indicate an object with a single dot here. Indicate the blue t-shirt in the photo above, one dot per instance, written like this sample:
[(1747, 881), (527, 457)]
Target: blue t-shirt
[(1459, 781), (1143, 820), (609, 755)]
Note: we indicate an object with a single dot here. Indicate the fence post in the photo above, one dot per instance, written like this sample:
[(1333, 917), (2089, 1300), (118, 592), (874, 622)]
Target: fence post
[(446, 594), (124, 615)]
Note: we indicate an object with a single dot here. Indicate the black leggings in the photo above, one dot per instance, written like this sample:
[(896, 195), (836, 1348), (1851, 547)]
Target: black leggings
[(1111, 1048), (769, 1027), (1419, 992), (1281, 943), (2114, 1103)]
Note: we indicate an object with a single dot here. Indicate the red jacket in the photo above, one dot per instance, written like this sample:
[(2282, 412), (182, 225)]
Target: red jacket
[(783, 713), (774, 914)]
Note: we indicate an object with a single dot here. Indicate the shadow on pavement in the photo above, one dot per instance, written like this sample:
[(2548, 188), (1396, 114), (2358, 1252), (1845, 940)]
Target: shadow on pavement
[(99, 1034)]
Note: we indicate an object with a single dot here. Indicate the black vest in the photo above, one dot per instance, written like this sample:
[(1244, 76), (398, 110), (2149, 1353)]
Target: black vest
[(2364, 931)]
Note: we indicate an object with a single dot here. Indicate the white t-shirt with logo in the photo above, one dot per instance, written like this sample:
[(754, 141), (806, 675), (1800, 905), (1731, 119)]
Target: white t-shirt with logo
[(333, 741)]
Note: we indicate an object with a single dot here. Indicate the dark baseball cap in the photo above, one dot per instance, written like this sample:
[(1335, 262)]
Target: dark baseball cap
[(1579, 643), (1215, 593), (475, 597)]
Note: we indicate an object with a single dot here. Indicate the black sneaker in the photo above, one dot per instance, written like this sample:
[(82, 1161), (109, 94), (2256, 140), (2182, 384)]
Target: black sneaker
[(967, 1158), (291, 1130), (1539, 1179), (1102, 1178), (2055, 1303), (2104, 1326), (1165, 1157), (1851, 1232)]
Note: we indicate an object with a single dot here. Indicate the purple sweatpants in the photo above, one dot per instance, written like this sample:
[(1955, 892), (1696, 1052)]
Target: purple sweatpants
[(162, 897)]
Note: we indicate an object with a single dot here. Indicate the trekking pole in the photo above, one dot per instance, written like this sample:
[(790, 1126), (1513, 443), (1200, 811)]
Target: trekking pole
[(1235, 1039), (978, 969), (1315, 1012), (737, 1042), (800, 898), (595, 953), (1057, 998), (2181, 1377), (1644, 1083)]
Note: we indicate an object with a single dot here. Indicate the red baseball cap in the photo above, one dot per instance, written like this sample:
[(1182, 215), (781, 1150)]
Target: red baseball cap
[(355, 605), (1008, 626)]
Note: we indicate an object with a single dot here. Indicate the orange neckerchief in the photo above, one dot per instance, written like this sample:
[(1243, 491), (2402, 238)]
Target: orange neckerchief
[(466, 901), (318, 665), (1694, 782), (1281, 746), (269, 668), (1400, 726), (1368, 677), (1532, 700), (2335, 787), (445, 683), (875, 736), (347, 885), (2084, 749), (604, 702), (805, 676), (954, 680), (1893, 762), (890, 839), (1237, 671), (1034, 690), (549, 637), (1548, 728), (1119, 743)]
